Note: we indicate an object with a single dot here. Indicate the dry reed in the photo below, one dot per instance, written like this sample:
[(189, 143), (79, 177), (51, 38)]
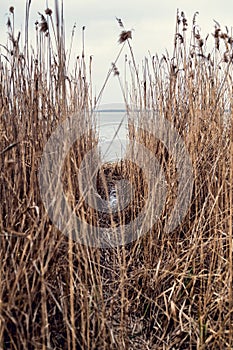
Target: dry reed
[(162, 291)]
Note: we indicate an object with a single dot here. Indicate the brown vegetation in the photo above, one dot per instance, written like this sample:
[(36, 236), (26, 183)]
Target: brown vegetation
[(162, 291)]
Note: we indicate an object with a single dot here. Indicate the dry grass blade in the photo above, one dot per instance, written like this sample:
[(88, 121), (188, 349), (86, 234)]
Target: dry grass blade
[(9, 147)]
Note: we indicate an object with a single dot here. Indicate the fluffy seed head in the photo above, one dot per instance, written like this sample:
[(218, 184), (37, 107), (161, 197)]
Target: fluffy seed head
[(125, 35)]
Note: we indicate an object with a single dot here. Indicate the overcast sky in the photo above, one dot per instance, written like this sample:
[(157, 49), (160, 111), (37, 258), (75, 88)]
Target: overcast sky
[(153, 24)]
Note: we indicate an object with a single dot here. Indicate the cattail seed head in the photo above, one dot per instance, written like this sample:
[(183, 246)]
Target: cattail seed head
[(48, 12)]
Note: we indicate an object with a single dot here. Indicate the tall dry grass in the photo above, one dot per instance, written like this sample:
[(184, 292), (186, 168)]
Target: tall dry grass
[(162, 291)]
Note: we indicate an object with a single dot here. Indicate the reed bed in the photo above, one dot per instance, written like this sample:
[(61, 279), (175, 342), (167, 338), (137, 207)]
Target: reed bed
[(162, 291)]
